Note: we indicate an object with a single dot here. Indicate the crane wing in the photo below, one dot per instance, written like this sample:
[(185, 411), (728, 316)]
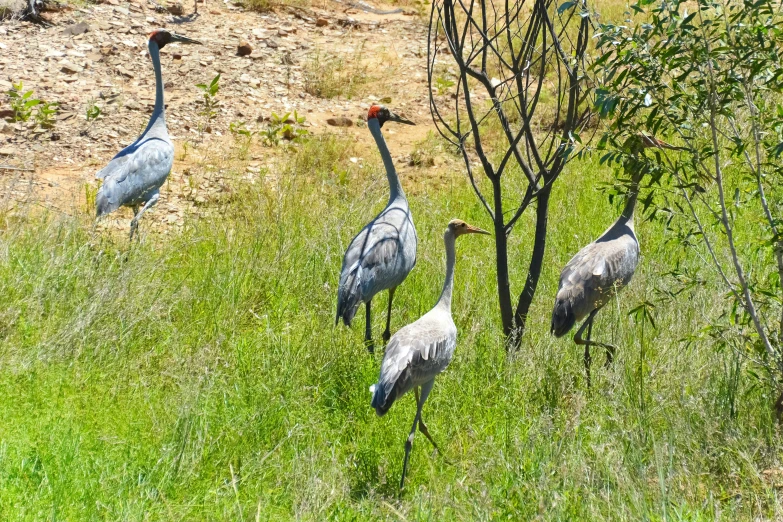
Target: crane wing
[(414, 355), (131, 176), (375, 260), (593, 275)]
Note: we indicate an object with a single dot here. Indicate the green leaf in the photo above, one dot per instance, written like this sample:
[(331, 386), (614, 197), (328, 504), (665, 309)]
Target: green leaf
[(565, 6)]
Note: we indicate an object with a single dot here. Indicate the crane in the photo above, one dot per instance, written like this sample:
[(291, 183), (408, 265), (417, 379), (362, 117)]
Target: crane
[(134, 176), (382, 255), (418, 352), (594, 275)]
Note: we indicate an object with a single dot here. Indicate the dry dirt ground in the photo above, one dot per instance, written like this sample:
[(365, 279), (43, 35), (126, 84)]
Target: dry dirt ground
[(108, 66)]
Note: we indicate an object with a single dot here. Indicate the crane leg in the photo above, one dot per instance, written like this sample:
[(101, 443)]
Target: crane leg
[(587, 343), (425, 391), (387, 333), (578, 339), (423, 427), (149, 204), (368, 328), (134, 224)]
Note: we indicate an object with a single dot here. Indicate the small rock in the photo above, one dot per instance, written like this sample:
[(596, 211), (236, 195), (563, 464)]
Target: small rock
[(176, 9), (244, 49), (322, 22), (75, 29), (5, 128), (5, 151), (176, 56), (131, 104), (53, 54), (69, 68), (272, 43), (123, 71), (342, 121)]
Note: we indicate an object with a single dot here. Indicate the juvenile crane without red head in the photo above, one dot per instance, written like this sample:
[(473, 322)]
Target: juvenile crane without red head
[(420, 351), (594, 275), (382, 255), (134, 176)]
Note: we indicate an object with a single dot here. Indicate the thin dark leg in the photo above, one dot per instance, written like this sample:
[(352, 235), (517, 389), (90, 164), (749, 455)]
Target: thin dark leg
[(387, 333), (368, 329), (587, 343), (134, 222), (137, 215), (425, 391), (423, 427), (588, 359), (578, 339)]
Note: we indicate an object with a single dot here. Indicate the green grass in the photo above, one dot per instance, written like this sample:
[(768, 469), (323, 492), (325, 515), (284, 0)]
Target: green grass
[(198, 376), (328, 76)]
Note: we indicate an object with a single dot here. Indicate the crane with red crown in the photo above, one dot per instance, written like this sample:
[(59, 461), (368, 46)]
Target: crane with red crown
[(382, 255)]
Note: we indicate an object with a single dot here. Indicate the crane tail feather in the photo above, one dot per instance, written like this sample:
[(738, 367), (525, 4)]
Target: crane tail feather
[(381, 400), (348, 301), (563, 318), (108, 199)]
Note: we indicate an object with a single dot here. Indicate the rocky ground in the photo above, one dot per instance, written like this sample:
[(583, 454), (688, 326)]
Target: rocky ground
[(96, 55)]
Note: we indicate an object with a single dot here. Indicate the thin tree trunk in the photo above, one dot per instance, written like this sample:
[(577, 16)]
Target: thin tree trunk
[(501, 261), (534, 270)]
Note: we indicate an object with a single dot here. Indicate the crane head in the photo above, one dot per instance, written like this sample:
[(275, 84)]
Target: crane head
[(382, 114), (459, 227), (163, 37)]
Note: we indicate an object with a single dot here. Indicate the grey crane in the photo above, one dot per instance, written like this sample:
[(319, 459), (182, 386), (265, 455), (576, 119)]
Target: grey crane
[(134, 176), (382, 255), (594, 275), (420, 351)]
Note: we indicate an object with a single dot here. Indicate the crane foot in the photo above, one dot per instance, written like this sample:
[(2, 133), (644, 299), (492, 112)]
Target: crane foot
[(408, 446), (134, 225)]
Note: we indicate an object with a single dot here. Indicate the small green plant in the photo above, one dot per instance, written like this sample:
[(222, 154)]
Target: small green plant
[(93, 111), (22, 102), (287, 126), (46, 113), (443, 84), (90, 193), (211, 103), (243, 138), (237, 128)]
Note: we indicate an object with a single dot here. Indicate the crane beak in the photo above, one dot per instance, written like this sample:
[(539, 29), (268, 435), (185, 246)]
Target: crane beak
[(399, 119), (183, 39), (476, 230)]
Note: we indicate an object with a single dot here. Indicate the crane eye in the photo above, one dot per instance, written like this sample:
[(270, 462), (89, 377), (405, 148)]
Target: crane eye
[(462, 225)]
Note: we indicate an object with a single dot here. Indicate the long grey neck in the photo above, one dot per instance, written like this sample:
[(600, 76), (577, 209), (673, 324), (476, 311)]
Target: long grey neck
[(395, 188), (158, 112), (451, 259), (630, 204)]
